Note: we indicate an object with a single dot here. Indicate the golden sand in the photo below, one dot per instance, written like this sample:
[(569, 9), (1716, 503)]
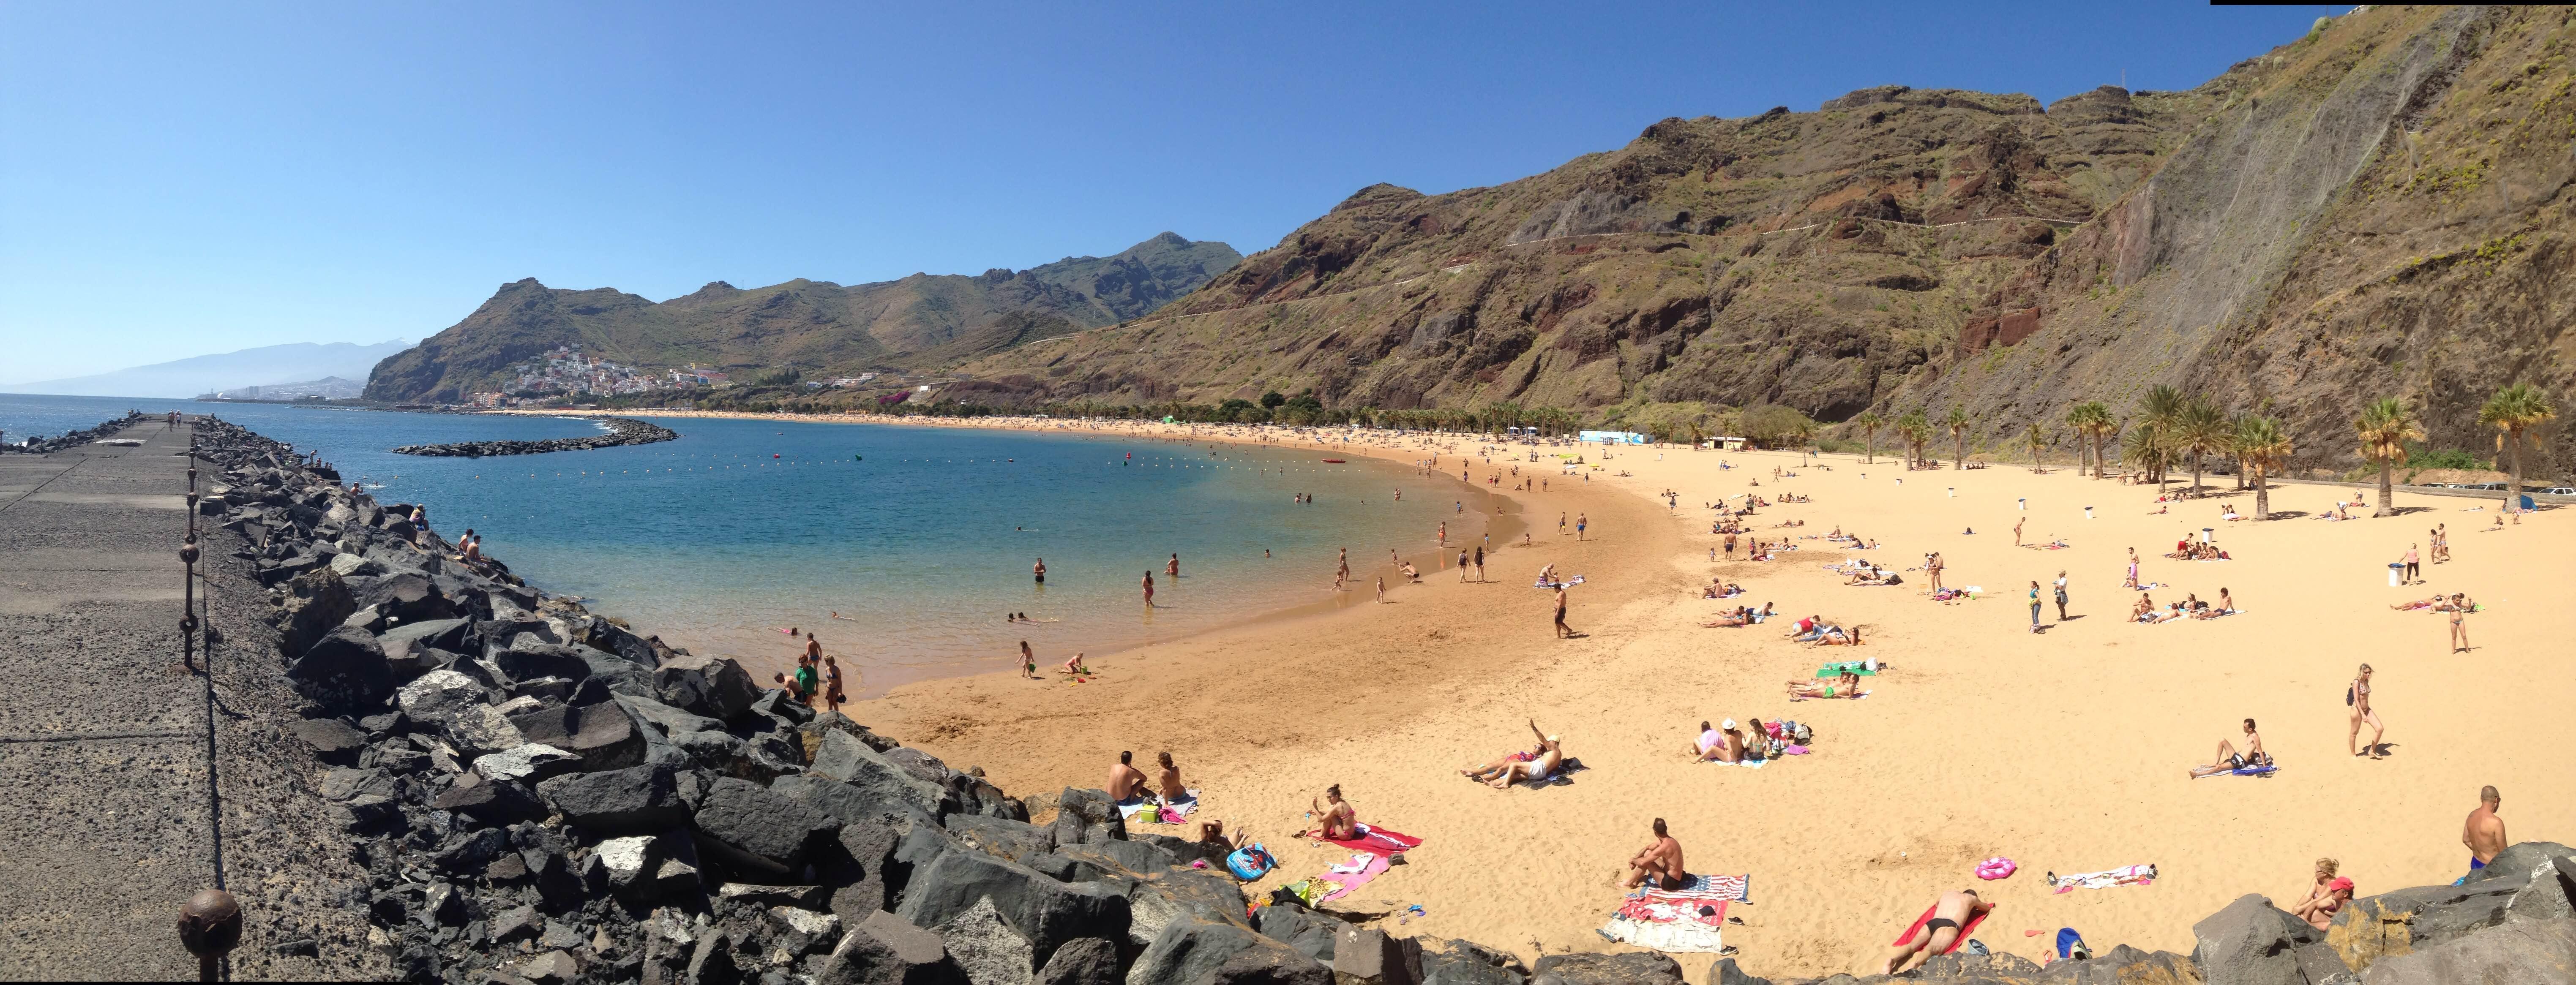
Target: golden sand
[(2064, 751)]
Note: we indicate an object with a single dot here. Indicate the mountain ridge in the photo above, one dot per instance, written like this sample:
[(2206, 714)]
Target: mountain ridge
[(257, 366), (920, 321)]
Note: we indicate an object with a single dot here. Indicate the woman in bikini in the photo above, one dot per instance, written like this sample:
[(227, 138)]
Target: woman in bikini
[(2363, 715), (832, 694), (1845, 686), (1338, 822)]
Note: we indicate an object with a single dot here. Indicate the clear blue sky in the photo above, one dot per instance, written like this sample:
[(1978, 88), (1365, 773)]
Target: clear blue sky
[(189, 178)]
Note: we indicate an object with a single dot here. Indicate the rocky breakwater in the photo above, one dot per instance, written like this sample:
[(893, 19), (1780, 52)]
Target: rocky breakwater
[(621, 431), (539, 794), (106, 429)]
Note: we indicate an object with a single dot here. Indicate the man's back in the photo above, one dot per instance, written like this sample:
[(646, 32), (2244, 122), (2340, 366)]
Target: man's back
[(2484, 834)]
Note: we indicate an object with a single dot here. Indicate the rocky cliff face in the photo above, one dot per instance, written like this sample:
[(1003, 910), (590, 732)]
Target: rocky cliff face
[(924, 321), (2373, 210)]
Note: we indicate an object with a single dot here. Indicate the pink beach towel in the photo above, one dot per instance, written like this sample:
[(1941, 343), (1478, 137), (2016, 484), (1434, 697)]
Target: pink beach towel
[(1374, 867)]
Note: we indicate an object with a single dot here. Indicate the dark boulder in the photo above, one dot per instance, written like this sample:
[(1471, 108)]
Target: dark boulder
[(409, 645), (1045, 912), (846, 804), (2522, 951), (1099, 814), (711, 961), (634, 799), (618, 676), (525, 663), (1185, 851), (2549, 895), (601, 734), (1632, 968), (843, 757), (2518, 861), (470, 851), (2250, 942), (344, 670), (488, 801), (715, 687), (407, 597), (315, 602), (994, 836), (885, 950), (1081, 961), (333, 741), (440, 695), (1366, 954), (757, 829), (344, 785), (1311, 933), (1459, 962), (1172, 894), (1191, 952)]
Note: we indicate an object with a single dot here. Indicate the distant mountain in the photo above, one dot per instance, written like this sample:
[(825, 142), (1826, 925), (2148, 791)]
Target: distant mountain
[(328, 387), (925, 321), (248, 367)]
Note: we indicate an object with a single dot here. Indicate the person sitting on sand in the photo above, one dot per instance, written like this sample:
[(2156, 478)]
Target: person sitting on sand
[(1073, 665), (1550, 758), (2319, 913), (1847, 685), (1167, 781), (1339, 821), (1660, 861), (1723, 744), (1953, 911), (2145, 610), (1126, 782), (2324, 880), (2230, 758)]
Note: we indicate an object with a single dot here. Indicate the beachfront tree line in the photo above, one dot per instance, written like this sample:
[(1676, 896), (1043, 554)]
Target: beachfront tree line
[(2171, 430)]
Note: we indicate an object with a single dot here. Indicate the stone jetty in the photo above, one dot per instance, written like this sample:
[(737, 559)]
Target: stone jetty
[(621, 431), (481, 782), (110, 429)]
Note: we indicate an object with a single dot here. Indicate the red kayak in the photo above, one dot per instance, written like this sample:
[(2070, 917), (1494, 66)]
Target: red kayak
[(1332, 461)]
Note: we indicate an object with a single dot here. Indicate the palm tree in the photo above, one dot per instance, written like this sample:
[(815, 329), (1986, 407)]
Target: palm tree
[(1957, 422), (2513, 411), (2145, 451), (2384, 428), (2078, 425), (2199, 427), (1913, 425), (1869, 422), (2158, 413), (2035, 441), (2261, 445), (2092, 420)]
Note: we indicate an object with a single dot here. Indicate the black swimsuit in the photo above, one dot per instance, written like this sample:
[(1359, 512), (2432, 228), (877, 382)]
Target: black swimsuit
[(1936, 923)]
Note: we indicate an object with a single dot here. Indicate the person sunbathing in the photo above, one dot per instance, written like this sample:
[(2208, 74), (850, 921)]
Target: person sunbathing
[(1954, 910), (1845, 686), (1339, 821), (1722, 744), (1660, 861), (1550, 759), (2231, 759), (1838, 636), (1742, 616)]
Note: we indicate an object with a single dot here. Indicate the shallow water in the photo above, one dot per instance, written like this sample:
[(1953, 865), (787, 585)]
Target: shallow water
[(921, 538)]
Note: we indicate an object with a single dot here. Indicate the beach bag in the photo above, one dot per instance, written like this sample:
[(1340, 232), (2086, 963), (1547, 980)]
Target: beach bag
[(1800, 734), (2347, 694)]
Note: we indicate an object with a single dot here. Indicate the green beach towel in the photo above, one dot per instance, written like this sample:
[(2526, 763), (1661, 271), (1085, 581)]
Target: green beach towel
[(1845, 667)]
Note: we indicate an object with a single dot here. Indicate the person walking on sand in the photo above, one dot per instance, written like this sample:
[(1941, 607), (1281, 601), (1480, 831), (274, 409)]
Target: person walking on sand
[(1040, 569), (1660, 861), (2034, 607), (1480, 564), (2017, 530), (2358, 696), (2414, 572), (1028, 662), (1444, 534), (1562, 631), (2061, 596), (1560, 524), (1381, 589), (2459, 629), (1580, 521), (2441, 542), (2484, 834)]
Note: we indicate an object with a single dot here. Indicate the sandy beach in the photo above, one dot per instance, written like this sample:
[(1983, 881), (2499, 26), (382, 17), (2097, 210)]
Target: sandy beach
[(2064, 751)]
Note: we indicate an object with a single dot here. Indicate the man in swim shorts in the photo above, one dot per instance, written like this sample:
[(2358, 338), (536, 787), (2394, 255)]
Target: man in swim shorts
[(2484, 834), (1126, 782), (1938, 934), (1661, 861), (1041, 571), (2230, 758)]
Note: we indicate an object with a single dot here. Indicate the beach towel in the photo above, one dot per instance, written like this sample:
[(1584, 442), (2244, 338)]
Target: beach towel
[(2244, 771), (1543, 583), (1178, 811), (1685, 920), (1127, 809), (1964, 930), (1377, 840), (1864, 668), (1366, 867), (2127, 875)]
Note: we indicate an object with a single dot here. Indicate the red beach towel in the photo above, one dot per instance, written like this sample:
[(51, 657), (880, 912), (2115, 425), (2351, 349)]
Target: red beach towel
[(1964, 930), (1377, 840)]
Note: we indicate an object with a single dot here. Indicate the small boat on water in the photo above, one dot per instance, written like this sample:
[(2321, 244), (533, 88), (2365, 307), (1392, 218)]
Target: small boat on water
[(1333, 461)]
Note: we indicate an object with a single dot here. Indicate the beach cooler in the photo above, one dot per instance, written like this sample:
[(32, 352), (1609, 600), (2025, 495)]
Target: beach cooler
[(2396, 573)]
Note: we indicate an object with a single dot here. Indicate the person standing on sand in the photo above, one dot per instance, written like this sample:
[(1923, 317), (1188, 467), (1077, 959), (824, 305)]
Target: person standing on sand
[(2484, 834), (832, 693), (1562, 631), (2414, 573), (1040, 569), (1462, 566), (1149, 589), (2358, 696), (805, 681), (1444, 532), (2441, 543), (1730, 545), (2017, 530), (1932, 568), (1560, 523), (2061, 596), (2034, 607), (1480, 564), (2459, 629), (1580, 521), (1381, 590), (1661, 861)]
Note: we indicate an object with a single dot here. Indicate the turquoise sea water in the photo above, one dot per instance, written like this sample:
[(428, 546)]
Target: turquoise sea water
[(921, 538)]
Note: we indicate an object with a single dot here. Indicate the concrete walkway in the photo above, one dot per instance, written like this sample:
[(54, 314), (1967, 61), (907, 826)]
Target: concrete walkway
[(101, 839)]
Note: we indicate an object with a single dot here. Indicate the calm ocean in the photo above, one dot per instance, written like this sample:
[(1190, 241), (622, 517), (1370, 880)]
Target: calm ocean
[(920, 538)]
